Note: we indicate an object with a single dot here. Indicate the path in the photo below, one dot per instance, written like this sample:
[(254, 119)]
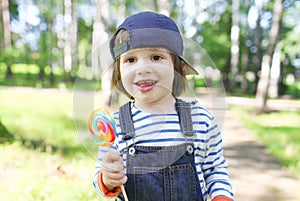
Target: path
[(256, 175)]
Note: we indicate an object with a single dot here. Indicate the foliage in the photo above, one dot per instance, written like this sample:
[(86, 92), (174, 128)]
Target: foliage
[(293, 90), (216, 40), (28, 75)]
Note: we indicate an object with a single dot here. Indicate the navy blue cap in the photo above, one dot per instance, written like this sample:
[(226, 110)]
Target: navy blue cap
[(149, 29)]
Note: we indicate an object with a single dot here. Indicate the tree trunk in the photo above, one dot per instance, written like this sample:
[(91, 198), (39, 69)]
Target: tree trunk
[(6, 24), (67, 45), (162, 6), (275, 74), (4, 5), (100, 54), (99, 37), (235, 33), (244, 63), (263, 83), (73, 35)]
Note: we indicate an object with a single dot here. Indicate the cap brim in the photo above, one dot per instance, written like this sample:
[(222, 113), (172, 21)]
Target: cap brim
[(189, 69)]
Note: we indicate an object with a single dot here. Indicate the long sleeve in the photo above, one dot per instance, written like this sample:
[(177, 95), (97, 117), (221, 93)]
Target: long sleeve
[(210, 162)]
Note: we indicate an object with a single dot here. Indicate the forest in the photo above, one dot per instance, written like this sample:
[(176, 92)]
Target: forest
[(254, 44)]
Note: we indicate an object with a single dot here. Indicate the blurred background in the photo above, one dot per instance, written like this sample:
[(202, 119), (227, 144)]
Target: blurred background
[(47, 45)]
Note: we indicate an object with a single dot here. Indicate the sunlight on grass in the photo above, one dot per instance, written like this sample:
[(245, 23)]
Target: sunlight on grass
[(47, 161), (279, 131), (38, 116), (31, 175)]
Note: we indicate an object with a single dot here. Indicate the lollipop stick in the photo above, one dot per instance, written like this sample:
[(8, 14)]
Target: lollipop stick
[(102, 127), (124, 193)]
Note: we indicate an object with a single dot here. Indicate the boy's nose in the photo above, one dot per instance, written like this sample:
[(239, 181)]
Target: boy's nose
[(144, 67)]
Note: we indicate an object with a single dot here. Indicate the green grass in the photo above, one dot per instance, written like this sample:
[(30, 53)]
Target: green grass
[(36, 115), (279, 131), (28, 75), (35, 176), (294, 89), (47, 160)]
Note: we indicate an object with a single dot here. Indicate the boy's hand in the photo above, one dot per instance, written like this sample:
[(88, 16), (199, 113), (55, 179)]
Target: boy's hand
[(113, 170)]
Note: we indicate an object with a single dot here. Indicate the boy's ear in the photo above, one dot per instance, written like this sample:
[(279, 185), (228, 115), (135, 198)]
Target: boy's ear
[(183, 64)]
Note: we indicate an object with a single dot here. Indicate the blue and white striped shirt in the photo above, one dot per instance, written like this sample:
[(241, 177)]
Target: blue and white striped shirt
[(164, 130)]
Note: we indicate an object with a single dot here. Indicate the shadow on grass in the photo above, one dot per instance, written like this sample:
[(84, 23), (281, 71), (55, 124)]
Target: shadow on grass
[(5, 136), (39, 145), (44, 146)]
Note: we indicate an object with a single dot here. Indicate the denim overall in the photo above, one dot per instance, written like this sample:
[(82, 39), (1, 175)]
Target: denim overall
[(161, 173)]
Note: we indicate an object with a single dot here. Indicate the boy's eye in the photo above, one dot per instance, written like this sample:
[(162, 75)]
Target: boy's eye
[(156, 57), (130, 60)]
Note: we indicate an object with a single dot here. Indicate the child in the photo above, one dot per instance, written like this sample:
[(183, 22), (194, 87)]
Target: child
[(166, 148)]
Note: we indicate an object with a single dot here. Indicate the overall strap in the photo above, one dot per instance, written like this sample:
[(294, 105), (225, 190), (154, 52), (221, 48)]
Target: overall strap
[(126, 122), (184, 114), (185, 117)]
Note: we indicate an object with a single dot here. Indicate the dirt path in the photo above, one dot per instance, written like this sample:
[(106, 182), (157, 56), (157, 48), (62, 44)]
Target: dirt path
[(256, 176)]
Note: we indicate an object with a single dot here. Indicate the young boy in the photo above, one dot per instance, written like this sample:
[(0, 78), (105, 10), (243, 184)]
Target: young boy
[(166, 148)]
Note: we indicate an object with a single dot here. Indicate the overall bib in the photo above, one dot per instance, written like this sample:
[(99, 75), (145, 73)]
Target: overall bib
[(161, 173)]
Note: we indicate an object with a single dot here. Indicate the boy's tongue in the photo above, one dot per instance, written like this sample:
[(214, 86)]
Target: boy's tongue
[(145, 86)]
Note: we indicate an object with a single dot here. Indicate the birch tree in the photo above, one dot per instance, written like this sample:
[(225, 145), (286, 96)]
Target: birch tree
[(5, 135), (235, 33), (4, 4), (99, 38), (263, 83), (67, 46)]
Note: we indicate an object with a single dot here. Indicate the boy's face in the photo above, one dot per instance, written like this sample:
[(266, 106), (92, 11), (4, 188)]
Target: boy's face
[(147, 74)]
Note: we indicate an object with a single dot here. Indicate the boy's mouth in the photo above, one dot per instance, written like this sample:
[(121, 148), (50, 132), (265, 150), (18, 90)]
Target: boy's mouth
[(145, 85)]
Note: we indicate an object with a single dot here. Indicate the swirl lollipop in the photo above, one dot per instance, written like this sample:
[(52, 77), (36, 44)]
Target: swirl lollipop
[(102, 127)]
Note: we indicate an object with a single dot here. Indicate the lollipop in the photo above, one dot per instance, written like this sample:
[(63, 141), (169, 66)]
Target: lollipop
[(102, 127)]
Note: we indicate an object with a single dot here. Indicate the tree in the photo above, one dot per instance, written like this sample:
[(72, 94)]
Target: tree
[(70, 47), (235, 33), (6, 24), (99, 65), (263, 83), (100, 35), (258, 34), (4, 5)]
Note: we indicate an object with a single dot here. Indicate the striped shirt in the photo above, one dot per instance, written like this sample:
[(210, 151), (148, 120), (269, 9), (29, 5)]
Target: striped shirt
[(164, 130)]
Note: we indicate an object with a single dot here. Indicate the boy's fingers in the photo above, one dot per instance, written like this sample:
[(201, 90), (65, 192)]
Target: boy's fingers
[(114, 167), (118, 176), (112, 162), (112, 156), (114, 179)]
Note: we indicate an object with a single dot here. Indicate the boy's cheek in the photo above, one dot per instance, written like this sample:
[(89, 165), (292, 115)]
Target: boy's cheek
[(126, 72)]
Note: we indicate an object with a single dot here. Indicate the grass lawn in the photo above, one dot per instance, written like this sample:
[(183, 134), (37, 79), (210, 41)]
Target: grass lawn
[(47, 161), (50, 161), (279, 131), (35, 176)]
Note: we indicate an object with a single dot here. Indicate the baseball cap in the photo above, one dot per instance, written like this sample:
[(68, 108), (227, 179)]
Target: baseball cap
[(149, 29)]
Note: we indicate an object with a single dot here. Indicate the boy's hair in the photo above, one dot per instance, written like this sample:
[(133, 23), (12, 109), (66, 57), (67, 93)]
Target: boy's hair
[(179, 81)]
